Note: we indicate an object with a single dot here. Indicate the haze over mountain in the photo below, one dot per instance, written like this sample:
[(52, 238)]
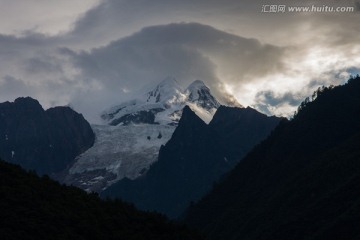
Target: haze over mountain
[(130, 139), (302, 182)]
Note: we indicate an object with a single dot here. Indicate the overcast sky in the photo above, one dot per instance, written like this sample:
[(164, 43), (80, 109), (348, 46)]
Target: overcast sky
[(93, 54)]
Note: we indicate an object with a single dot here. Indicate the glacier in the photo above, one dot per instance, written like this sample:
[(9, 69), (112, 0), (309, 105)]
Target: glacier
[(129, 140)]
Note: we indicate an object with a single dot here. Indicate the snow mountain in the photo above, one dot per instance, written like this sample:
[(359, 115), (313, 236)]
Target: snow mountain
[(163, 105), (130, 139), (200, 94)]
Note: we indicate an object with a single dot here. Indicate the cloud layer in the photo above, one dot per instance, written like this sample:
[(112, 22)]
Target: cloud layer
[(117, 48), (186, 51)]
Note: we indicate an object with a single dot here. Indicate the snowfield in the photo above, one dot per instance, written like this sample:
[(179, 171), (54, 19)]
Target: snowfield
[(124, 151)]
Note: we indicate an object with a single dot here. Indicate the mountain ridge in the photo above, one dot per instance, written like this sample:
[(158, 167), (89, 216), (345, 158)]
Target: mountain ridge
[(299, 183), (45, 141), (196, 156), (34, 207), (133, 132), (165, 102)]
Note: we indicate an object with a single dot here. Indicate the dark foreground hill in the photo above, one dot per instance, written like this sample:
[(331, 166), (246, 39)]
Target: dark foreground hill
[(39, 208), (303, 182), (195, 157), (45, 141)]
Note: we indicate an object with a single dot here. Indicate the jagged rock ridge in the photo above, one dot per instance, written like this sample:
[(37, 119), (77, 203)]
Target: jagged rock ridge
[(194, 158), (300, 183), (45, 141)]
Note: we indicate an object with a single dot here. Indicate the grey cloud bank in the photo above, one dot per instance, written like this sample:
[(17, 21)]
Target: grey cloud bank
[(119, 47), (187, 50)]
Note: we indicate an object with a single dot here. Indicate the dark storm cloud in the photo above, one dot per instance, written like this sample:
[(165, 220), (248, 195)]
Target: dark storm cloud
[(112, 73), (33, 66), (113, 19), (188, 51)]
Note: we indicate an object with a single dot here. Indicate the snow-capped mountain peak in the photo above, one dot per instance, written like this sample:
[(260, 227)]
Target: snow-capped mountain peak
[(197, 92), (197, 84), (167, 92), (163, 105), (129, 141)]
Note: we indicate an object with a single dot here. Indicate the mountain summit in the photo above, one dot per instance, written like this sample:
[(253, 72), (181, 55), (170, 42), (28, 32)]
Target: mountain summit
[(302, 182), (200, 94), (163, 105), (43, 140), (167, 92), (130, 139)]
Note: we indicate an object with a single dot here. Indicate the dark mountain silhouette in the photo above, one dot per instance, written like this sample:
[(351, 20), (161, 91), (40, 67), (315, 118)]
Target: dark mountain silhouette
[(195, 157), (240, 129), (45, 141), (40, 208), (302, 182)]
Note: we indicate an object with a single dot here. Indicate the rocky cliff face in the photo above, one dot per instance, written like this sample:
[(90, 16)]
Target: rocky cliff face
[(45, 141), (195, 157)]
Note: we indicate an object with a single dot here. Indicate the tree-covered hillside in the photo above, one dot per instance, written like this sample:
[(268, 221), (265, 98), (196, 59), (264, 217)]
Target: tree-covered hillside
[(40, 208), (303, 182)]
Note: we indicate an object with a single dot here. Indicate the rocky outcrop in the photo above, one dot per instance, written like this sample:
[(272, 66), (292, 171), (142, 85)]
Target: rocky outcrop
[(44, 141)]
